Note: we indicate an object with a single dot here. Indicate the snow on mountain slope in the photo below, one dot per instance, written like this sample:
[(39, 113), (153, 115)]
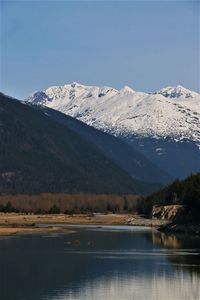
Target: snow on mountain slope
[(192, 105), (176, 92), (69, 94), (172, 112)]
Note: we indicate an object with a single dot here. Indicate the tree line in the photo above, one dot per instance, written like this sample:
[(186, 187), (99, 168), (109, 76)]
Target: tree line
[(70, 203)]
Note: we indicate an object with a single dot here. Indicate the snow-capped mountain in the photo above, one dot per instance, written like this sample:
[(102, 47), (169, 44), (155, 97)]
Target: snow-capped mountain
[(171, 113)]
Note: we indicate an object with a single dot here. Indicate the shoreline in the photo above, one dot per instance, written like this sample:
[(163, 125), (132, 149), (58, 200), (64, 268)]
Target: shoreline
[(16, 223), (9, 231), (187, 228), (19, 223)]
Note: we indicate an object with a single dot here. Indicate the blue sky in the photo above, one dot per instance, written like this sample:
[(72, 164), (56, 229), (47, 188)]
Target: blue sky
[(144, 44)]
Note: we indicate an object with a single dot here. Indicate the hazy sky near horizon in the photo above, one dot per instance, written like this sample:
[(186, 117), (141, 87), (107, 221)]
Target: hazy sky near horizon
[(144, 44)]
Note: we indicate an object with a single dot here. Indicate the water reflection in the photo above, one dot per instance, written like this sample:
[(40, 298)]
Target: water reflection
[(118, 287), (99, 264), (188, 257), (166, 241), (174, 241)]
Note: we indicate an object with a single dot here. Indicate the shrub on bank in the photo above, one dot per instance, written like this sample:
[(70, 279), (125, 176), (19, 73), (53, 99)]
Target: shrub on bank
[(8, 208), (54, 209)]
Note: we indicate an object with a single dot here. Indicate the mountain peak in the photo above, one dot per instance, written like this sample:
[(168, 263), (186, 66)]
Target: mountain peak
[(177, 92), (75, 84), (127, 90)]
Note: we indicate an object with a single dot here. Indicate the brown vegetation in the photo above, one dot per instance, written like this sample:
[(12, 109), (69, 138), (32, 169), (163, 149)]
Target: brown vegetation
[(31, 220), (72, 203)]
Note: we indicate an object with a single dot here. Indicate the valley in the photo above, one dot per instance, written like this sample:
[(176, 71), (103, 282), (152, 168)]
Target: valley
[(99, 150)]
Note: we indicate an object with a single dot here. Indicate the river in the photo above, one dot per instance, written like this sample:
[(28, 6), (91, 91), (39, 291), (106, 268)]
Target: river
[(100, 263)]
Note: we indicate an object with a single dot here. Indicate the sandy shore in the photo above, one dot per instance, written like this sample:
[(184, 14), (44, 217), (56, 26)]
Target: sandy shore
[(4, 231), (12, 223)]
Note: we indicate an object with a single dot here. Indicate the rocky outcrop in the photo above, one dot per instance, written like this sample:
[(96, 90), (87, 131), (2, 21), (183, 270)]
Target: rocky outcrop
[(137, 220), (178, 217), (168, 212)]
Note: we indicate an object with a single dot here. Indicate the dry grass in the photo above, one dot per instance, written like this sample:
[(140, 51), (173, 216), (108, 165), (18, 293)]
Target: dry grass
[(12, 223), (4, 231), (31, 219)]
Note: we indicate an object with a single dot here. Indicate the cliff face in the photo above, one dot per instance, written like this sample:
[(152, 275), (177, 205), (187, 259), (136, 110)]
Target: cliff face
[(178, 217), (168, 212)]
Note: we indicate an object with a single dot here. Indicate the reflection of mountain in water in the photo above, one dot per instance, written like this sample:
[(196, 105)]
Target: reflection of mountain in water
[(180, 286)]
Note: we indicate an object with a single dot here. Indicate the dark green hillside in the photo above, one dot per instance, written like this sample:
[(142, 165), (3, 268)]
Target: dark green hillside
[(125, 156), (186, 192), (37, 154)]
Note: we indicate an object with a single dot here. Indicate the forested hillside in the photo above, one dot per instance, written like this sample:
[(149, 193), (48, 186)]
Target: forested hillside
[(186, 192), (125, 156), (37, 154)]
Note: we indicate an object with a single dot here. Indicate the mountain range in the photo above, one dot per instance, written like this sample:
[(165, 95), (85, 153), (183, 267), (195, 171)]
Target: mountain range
[(164, 126)]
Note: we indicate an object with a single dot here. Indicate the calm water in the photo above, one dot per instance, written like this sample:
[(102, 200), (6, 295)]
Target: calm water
[(111, 263)]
